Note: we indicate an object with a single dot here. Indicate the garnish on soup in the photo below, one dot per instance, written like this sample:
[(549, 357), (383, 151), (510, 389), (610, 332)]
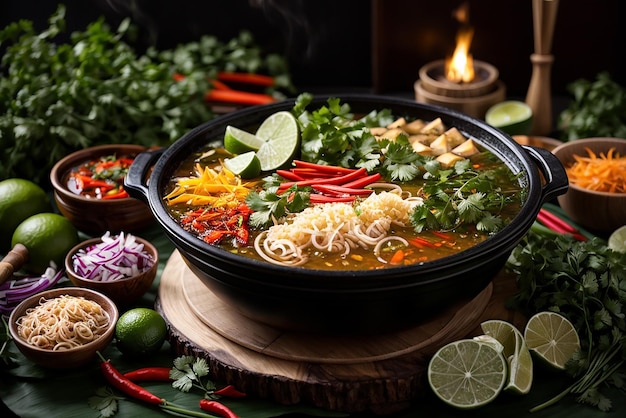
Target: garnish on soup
[(367, 192)]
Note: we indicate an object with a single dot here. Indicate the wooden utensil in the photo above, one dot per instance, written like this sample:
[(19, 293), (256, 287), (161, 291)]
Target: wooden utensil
[(13, 261), (539, 92)]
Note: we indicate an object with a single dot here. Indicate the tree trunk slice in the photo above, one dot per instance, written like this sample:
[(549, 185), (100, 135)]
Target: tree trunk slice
[(352, 373)]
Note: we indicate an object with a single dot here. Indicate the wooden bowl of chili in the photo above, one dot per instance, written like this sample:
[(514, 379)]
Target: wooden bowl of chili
[(596, 198), (88, 190)]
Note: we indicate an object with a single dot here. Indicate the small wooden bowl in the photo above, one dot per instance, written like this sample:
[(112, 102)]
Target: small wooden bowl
[(74, 357), (123, 291), (597, 211), (97, 216)]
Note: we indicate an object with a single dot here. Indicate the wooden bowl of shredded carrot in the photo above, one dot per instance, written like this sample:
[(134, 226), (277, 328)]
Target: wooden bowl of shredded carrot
[(596, 170)]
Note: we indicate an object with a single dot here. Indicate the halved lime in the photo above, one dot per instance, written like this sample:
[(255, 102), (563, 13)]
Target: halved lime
[(281, 140), (245, 165), (617, 240), (515, 351), (467, 373), (511, 116), (552, 337), (238, 141)]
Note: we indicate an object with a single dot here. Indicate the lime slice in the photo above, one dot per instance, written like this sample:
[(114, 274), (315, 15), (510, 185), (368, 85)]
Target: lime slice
[(516, 352), (617, 240), (245, 165), (467, 373), (511, 116), (238, 141), (552, 337), (281, 140)]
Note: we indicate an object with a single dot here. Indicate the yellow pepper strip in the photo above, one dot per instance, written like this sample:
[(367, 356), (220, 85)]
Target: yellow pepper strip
[(217, 188)]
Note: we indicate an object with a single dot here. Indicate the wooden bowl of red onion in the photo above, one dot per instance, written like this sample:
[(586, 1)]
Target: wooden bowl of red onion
[(122, 266)]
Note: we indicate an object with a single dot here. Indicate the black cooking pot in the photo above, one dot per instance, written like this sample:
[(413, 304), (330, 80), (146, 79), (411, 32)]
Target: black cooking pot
[(299, 298)]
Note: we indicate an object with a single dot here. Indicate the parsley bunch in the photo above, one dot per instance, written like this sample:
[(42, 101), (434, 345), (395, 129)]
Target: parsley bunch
[(95, 89), (598, 109), (586, 282)]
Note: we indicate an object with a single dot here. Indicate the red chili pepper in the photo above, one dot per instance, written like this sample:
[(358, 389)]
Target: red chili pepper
[(238, 97), (120, 194), (441, 235), (215, 407), (117, 380), (421, 242), (323, 168), (340, 190), (558, 225), (229, 391), (361, 172), (364, 181), (289, 175), (149, 374), (246, 78)]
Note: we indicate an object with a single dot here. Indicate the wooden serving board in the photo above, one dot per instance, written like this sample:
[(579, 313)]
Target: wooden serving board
[(379, 373)]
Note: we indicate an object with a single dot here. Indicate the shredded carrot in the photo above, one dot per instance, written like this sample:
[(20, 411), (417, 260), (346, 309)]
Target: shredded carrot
[(218, 188), (601, 173)]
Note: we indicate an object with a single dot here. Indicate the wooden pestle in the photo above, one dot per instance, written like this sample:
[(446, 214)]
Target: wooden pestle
[(539, 92), (13, 261)]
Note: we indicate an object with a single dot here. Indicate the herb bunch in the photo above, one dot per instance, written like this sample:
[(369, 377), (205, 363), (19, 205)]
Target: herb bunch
[(96, 89), (598, 109), (586, 282)]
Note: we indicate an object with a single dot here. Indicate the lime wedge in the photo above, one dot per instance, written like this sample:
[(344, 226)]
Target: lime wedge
[(552, 337), (515, 351), (281, 140), (511, 116), (617, 240), (245, 165), (238, 141), (467, 373)]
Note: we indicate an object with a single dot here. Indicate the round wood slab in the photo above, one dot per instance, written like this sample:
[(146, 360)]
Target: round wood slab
[(352, 373)]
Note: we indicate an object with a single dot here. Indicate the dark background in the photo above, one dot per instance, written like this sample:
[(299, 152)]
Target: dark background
[(374, 45)]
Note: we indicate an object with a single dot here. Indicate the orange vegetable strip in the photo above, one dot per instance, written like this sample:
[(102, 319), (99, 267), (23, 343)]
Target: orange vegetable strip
[(397, 258), (219, 85), (247, 78), (238, 97), (602, 173)]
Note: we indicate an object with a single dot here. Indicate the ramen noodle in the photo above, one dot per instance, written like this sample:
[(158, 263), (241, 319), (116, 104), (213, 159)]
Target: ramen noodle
[(63, 322)]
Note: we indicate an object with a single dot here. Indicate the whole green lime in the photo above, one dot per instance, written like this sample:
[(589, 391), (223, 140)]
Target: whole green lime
[(48, 238), (140, 331), (19, 199)]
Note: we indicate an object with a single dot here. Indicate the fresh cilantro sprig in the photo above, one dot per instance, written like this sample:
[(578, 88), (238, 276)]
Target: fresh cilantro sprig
[(586, 282), (189, 372), (463, 195), (268, 205)]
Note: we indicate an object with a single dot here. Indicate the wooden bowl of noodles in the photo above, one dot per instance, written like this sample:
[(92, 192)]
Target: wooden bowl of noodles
[(338, 298), (64, 345)]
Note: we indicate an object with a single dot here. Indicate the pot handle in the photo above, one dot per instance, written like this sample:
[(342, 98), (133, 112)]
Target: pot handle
[(135, 181), (554, 174)]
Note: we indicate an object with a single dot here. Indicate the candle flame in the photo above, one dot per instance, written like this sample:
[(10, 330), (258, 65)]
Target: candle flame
[(460, 68)]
